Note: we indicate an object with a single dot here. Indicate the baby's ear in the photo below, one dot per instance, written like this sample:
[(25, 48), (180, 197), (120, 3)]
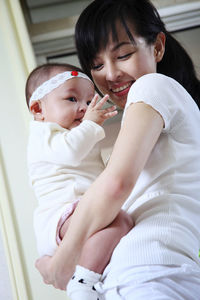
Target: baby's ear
[(36, 110)]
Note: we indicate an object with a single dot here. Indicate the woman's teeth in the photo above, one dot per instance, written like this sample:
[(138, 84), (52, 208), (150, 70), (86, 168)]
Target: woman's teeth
[(121, 88)]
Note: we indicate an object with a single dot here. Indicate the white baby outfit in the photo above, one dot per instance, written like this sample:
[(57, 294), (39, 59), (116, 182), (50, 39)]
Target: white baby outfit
[(62, 165), (165, 202)]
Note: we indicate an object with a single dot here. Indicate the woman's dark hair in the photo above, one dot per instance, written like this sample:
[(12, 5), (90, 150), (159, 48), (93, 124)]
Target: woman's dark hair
[(100, 18)]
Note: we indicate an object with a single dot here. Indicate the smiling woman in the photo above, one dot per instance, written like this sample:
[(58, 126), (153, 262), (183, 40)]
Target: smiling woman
[(126, 39), (127, 58)]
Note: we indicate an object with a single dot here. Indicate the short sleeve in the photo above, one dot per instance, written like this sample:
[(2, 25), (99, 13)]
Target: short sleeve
[(163, 94)]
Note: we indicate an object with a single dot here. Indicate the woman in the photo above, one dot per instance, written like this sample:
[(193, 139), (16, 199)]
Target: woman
[(154, 170)]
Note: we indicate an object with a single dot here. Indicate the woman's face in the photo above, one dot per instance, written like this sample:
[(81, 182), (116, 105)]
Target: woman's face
[(121, 63)]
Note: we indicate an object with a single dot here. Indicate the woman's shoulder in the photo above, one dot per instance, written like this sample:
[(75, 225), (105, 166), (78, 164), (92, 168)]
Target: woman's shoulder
[(158, 80), (165, 95), (157, 86)]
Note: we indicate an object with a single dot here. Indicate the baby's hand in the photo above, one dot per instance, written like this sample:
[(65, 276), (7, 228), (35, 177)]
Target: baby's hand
[(95, 112)]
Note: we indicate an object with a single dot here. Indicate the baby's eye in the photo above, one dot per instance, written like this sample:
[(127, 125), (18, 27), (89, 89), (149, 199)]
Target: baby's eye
[(88, 102), (72, 99)]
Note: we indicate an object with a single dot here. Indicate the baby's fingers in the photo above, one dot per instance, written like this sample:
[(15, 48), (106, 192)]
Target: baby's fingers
[(111, 114), (94, 101), (102, 102), (110, 109)]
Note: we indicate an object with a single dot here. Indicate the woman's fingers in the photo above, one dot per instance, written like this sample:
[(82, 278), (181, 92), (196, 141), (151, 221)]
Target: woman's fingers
[(43, 264)]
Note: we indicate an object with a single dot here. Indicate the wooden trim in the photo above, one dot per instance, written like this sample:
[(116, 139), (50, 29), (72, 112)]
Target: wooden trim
[(18, 50)]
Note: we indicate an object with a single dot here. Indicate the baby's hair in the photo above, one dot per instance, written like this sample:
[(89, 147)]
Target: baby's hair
[(42, 73)]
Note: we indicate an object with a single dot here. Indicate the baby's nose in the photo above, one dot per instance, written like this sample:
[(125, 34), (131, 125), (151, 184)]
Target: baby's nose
[(83, 107)]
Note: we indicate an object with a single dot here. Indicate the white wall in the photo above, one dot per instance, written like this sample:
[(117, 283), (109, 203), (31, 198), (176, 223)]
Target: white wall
[(190, 40), (5, 283)]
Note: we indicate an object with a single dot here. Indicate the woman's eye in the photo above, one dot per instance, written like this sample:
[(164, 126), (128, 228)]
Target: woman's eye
[(72, 99), (88, 102), (97, 67), (125, 56)]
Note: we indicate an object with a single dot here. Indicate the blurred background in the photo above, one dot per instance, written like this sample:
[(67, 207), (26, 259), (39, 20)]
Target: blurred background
[(51, 23), (33, 32)]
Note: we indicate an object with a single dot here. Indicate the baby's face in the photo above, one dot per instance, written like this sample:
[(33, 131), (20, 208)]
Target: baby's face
[(66, 105)]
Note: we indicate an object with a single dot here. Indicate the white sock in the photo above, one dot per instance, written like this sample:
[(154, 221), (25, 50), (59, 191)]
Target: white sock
[(81, 285)]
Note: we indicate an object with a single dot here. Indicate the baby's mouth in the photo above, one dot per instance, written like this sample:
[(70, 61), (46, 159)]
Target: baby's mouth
[(77, 120)]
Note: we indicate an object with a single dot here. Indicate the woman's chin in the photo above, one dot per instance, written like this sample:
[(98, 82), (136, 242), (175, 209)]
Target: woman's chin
[(119, 101)]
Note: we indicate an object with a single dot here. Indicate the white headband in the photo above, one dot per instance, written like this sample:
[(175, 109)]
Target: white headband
[(49, 85)]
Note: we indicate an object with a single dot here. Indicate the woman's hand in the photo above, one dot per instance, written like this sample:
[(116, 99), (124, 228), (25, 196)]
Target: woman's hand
[(53, 275), (43, 266)]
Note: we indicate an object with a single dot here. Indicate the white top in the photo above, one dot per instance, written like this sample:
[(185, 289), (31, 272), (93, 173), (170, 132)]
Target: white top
[(62, 165), (165, 202)]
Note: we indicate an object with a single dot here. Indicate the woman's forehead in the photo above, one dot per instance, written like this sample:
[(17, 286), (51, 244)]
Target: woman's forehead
[(114, 33), (117, 37)]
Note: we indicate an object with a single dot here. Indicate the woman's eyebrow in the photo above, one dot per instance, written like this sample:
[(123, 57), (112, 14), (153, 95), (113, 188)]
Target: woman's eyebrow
[(116, 47)]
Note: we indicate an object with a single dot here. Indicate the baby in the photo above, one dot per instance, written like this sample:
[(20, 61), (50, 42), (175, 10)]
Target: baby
[(64, 158)]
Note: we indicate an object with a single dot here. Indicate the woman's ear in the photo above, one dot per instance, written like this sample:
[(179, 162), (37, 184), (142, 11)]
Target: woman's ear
[(159, 48), (36, 110)]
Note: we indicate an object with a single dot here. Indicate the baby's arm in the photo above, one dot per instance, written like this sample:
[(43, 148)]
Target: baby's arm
[(75, 144), (95, 112)]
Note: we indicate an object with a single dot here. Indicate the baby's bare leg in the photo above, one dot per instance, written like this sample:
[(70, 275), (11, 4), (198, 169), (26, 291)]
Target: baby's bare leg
[(98, 249), (64, 228), (95, 256)]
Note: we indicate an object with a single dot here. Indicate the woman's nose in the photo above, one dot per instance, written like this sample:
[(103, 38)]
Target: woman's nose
[(113, 73)]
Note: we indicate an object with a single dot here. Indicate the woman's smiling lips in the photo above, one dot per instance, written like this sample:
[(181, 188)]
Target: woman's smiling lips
[(121, 90)]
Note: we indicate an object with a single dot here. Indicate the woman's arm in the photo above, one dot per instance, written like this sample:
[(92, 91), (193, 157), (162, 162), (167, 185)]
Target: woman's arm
[(103, 200)]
